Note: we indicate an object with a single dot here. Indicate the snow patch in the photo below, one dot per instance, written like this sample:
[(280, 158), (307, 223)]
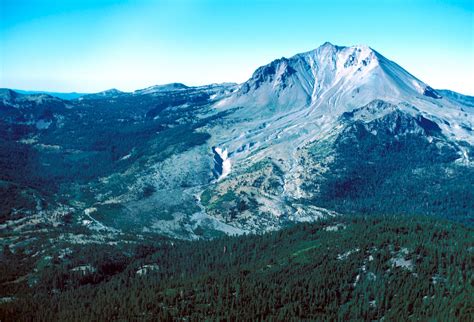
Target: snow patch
[(89, 211), (125, 157), (417, 86), (225, 163)]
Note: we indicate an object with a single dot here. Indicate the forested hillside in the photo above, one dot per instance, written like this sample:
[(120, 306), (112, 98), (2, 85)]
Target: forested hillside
[(342, 268)]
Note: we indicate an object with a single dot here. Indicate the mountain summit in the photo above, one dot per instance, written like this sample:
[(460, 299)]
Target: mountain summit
[(331, 74)]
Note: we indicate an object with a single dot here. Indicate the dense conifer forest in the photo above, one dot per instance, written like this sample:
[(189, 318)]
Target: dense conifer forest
[(341, 268)]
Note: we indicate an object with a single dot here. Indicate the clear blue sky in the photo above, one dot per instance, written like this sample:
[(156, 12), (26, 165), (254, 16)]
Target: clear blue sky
[(87, 46)]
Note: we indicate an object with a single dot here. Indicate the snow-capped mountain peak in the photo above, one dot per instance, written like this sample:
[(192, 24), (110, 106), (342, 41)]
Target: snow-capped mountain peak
[(356, 73)]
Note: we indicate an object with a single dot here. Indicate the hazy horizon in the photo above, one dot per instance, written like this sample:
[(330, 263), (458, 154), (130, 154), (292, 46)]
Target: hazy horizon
[(91, 46)]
